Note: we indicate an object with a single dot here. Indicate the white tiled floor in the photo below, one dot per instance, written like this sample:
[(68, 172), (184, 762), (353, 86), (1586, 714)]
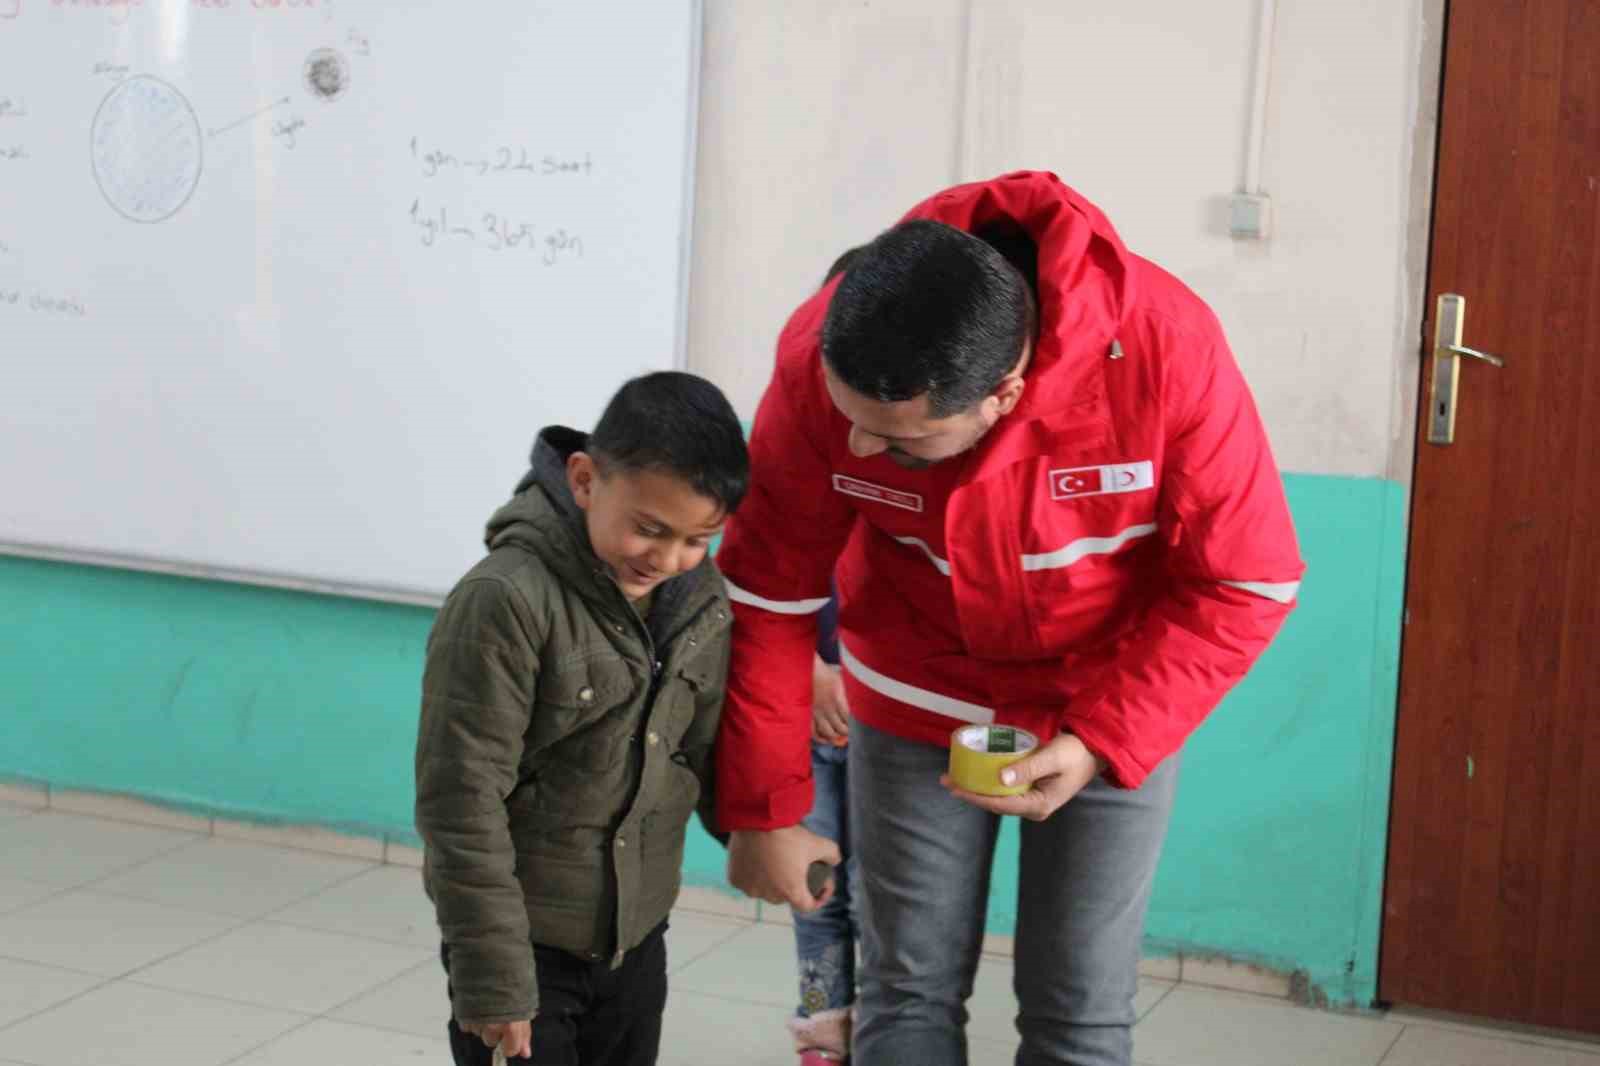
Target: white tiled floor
[(127, 945)]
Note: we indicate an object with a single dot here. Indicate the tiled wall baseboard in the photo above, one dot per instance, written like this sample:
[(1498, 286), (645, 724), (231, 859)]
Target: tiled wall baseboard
[(138, 811), (395, 850)]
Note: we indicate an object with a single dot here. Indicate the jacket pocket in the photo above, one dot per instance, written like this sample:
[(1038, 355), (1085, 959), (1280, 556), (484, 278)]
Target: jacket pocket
[(577, 716)]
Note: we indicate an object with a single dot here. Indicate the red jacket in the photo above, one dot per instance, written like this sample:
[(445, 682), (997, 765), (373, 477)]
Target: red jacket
[(1109, 560)]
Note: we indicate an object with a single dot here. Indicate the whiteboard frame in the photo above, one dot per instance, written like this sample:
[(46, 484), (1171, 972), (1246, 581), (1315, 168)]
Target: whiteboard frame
[(397, 594)]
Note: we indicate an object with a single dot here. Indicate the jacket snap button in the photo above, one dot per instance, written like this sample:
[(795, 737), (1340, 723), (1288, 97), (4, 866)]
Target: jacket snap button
[(653, 739), (721, 615), (621, 842), (619, 627), (586, 694), (693, 642)]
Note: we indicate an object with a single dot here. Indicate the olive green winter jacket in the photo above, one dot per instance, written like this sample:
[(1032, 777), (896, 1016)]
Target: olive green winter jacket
[(564, 743)]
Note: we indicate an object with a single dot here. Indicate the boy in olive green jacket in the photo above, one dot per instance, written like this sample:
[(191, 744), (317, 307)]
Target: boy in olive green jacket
[(570, 703)]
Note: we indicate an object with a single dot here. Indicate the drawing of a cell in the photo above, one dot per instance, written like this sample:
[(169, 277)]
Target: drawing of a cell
[(146, 149), (327, 74)]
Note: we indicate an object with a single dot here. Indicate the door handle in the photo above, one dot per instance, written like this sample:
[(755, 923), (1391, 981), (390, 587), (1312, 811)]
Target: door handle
[(1492, 360), (1449, 322)]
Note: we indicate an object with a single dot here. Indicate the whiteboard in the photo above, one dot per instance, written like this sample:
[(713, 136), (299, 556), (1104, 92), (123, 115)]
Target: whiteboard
[(287, 287)]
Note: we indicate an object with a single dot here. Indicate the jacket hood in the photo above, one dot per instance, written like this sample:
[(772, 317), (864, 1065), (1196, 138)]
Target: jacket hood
[(1086, 274), (541, 514)]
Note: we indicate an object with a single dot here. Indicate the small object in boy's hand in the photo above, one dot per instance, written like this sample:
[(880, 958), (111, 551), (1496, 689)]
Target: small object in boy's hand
[(818, 874)]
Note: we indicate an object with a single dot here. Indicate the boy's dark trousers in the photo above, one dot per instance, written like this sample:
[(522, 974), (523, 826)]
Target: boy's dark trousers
[(589, 1014)]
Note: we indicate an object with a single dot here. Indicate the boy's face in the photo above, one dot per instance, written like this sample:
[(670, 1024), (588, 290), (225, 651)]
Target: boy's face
[(645, 525)]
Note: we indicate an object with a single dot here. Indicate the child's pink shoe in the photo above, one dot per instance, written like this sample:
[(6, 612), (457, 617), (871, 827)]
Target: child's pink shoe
[(824, 1038), (813, 1057)]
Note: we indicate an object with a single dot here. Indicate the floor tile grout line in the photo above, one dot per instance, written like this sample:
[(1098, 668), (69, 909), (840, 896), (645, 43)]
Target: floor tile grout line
[(192, 908), (54, 892), (686, 963), (307, 1023), (382, 1028), (401, 976), (96, 885), (102, 983), (238, 923), (1393, 1044), (369, 866), (128, 976), (132, 977), (53, 966), (1507, 1036), (1172, 986), (731, 999), (213, 997), (367, 937), (136, 865)]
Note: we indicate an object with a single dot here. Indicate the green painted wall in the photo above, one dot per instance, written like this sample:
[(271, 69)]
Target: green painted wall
[(285, 706)]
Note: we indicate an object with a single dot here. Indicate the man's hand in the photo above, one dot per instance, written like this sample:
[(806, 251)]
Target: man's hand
[(772, 865), (830, 715), (514, 1039), (1057, 771)]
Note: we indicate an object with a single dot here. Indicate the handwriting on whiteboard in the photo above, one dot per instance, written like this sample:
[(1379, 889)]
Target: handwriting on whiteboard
[(285, 131), (11, 107), (11, 153), (41, 303), (501, 160), (495, 233)]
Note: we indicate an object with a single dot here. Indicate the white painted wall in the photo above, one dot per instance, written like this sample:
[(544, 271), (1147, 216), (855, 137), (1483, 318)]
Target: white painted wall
[(823, 120)]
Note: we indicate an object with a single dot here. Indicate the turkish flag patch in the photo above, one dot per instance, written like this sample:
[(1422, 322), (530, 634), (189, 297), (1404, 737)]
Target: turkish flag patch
[(1102, 480)]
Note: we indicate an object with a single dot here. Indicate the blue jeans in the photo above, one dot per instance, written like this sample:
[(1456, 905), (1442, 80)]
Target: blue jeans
[(923, 889), (825, 940)]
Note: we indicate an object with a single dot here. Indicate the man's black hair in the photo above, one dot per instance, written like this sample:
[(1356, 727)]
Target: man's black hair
[(678, 424), (927, 308), (841, 264)]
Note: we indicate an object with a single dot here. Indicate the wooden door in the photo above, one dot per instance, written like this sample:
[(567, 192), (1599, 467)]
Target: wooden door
[(1492, 903)]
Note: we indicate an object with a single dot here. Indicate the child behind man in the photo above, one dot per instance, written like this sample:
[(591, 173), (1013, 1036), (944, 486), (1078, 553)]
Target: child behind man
[(570, 703), (825, 940)]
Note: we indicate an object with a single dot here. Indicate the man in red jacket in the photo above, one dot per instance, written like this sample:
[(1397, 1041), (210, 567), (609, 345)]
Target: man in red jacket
[(1033, 465)]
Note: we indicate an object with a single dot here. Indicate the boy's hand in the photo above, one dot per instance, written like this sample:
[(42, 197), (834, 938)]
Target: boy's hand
[(771, 865), (830, 715), (514, 1039)]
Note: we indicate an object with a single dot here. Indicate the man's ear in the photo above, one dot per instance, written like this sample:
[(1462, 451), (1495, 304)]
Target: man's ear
[(581, 476), (1008, 393)]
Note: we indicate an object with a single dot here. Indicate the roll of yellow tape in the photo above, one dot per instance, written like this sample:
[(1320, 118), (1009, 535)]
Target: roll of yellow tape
[(979, 752)]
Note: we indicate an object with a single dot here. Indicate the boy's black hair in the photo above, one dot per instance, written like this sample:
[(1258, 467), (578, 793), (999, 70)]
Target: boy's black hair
[(927, 308), (679, 424)]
